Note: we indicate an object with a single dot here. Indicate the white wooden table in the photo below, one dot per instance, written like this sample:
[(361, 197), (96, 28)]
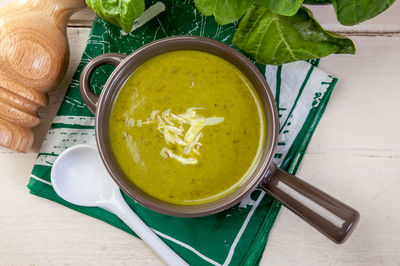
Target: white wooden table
[(354, 155)]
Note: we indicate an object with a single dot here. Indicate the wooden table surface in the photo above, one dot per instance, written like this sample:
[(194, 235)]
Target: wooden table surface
[(354, 155)]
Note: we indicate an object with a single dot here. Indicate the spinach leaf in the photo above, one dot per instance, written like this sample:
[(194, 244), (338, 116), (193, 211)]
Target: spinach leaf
[(275, 39), (224, 11), (351, 12), (317, 2), (281, 7), (121, 13)]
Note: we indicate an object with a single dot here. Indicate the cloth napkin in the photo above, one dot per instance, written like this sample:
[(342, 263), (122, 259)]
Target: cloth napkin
[(239, 234)]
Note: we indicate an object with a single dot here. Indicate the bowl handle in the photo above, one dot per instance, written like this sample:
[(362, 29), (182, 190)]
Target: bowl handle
[(328, 215), (84, 83)]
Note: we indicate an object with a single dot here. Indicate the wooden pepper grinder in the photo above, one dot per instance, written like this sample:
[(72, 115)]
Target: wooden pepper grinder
[(34, 56)]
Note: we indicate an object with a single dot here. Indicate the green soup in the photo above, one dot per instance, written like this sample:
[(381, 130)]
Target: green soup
[(187, 127)]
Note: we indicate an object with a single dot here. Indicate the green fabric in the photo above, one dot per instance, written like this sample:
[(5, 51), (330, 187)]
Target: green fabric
[(235, 236)]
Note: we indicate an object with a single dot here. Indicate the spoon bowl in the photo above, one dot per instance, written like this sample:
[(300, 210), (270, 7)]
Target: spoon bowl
[(79, 176)]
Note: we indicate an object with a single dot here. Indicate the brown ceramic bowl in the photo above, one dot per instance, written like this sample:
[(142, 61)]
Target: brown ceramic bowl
[(328, 215)]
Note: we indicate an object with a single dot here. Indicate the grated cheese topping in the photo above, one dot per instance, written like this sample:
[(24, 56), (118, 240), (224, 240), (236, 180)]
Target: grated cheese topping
[(183, 144)]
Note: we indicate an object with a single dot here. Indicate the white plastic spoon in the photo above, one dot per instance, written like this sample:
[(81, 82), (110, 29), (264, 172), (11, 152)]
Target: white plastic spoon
[(79, 176)]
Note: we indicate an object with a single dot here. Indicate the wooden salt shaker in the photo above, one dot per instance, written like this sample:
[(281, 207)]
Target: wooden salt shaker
[(34, 56)]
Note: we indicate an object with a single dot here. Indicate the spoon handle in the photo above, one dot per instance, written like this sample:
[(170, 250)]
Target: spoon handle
[(119, 207)]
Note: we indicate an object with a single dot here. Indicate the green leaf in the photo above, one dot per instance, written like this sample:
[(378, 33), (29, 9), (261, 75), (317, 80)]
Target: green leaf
[(317, 2), (275, 39), (351, 12), (224, 11), (121, 13), (281, 7)]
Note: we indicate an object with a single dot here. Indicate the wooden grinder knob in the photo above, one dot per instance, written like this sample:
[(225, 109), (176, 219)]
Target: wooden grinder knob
[(34, 56)]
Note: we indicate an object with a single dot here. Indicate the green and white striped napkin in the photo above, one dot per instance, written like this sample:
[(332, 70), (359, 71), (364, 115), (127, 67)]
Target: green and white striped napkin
[(235, 236)]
